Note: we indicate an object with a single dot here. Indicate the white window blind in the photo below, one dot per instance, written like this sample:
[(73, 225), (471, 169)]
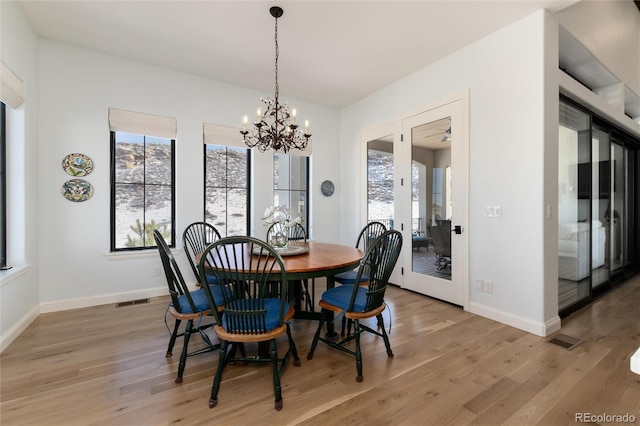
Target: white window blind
[(222, 135), (11, 87), (142, 124)]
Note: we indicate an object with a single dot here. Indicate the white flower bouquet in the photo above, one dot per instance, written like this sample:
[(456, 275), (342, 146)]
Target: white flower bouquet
[(282, 215)]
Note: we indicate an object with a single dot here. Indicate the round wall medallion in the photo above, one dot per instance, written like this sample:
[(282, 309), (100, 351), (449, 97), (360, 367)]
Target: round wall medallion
[(77, 190), (327, 188), (77, 164)]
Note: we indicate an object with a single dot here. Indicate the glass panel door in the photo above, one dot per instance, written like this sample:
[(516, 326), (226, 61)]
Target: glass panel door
[(380, 181), (434, 203), (617, 218), (431, 198), (600, 197), (380, 148), (574, 206)]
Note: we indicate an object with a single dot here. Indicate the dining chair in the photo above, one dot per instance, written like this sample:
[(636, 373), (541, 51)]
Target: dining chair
[(255, 307), (293, 233), (185, 305), (357, 302), (195, 238), (297, 233), (368, 234), (441, 236)]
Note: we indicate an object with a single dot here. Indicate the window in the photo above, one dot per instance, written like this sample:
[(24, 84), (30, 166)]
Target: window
[(291, 184), (3, 187), (142, 179), (12, 94), (227, 189), (226, 198)]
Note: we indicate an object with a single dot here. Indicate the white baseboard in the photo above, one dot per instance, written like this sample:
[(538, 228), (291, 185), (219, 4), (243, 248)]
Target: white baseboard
[(85, 302), (526, 324), (12, 333), (63, 305)]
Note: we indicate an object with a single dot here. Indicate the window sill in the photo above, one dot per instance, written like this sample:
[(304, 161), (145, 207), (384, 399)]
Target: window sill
[(16, 271), (141, 254)]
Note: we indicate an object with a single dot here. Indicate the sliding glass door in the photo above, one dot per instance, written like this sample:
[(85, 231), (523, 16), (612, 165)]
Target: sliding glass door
[(596, 206)]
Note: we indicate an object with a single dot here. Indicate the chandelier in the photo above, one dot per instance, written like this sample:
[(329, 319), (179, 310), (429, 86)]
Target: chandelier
[(276, 128)]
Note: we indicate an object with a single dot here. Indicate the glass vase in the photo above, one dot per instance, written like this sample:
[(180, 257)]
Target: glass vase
[(280, 240)]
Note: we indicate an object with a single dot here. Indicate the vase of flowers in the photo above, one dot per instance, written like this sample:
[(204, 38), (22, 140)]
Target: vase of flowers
[(285, 218)]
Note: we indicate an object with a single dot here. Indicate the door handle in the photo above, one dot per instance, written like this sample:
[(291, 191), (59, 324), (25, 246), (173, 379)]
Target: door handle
[(457, 229)]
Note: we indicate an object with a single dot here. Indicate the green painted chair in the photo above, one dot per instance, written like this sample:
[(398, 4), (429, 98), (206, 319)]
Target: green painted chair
[(195, 238), (255, 307), (358, 302), (185, 305), (368, 235)]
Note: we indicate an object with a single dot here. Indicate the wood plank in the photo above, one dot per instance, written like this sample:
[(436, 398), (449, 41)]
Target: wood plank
[(104, 365)]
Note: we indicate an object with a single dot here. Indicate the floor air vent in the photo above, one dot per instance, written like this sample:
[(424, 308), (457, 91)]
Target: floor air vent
[(567, 342), (132, 302)]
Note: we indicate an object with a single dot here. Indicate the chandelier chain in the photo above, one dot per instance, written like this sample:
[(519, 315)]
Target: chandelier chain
[(277, 55)]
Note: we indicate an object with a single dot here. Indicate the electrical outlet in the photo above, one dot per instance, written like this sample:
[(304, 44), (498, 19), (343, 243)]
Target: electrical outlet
[(478, 284), (156, 271), (487, 286)]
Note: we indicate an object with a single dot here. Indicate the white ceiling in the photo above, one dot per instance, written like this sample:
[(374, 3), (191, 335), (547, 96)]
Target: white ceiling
[(331, 52)]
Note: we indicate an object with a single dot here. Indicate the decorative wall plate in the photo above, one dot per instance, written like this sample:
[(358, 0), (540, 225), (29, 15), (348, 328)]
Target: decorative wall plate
[(77, 164), (327, 188), (77, 190)]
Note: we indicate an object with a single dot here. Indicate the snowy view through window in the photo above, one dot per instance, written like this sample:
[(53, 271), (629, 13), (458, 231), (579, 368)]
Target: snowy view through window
[(380, 188), (226, 189), (380, 185), (142, 189)]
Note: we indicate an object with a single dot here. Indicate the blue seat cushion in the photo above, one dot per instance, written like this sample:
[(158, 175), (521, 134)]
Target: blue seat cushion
[(211, 279), (349, 277), (341, 296), (200, 300), (272, 307)]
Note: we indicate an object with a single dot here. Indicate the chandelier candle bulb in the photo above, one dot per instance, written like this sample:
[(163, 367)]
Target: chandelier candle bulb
[(293, 116), (244, 123)]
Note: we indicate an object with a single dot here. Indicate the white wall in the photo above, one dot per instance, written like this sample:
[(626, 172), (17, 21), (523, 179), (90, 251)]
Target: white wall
[(77, 88), (504, 75), (610, 30), (513, 81), (19, 286)]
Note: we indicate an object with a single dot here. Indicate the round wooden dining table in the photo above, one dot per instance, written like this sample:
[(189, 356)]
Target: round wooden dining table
[(320, 260)]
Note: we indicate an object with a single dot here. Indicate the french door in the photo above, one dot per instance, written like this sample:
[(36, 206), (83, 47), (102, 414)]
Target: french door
[(417, 183), (433, 203)]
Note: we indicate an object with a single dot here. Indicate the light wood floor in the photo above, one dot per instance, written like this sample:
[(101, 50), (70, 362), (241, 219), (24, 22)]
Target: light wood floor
[(107, 366)]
